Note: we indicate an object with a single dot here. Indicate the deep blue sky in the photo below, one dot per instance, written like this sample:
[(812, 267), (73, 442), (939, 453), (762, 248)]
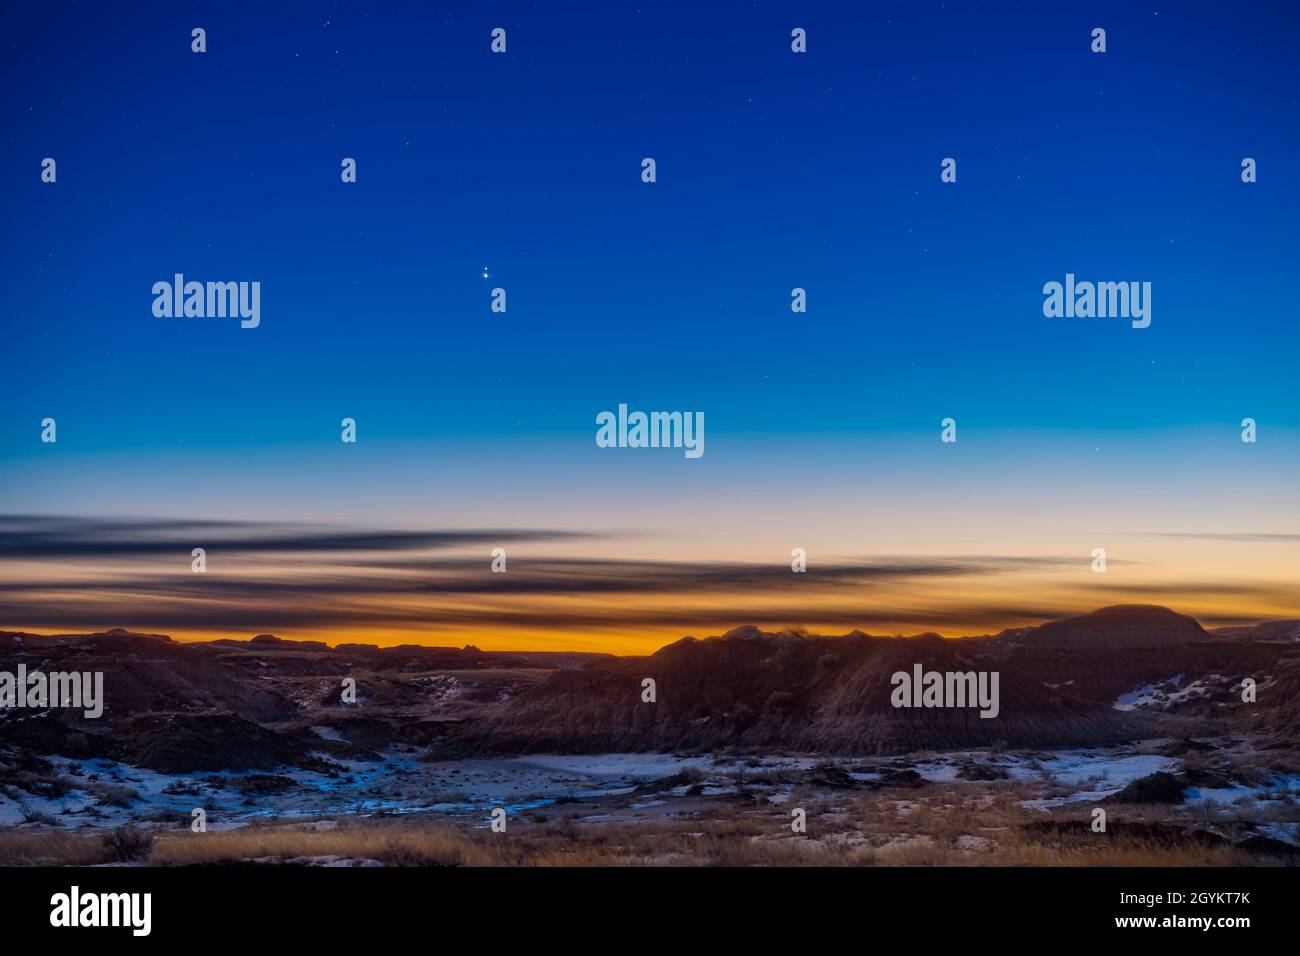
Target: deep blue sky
[(775, 170)]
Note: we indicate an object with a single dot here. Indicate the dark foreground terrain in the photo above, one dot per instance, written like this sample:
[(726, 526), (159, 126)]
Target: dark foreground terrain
[(1135, 711)]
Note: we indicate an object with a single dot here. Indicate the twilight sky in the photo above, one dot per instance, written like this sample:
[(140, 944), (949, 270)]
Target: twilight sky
[(775, 170)]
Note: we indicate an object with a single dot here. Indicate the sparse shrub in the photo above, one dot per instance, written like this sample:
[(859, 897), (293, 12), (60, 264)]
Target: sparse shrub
[(115, 796), (779, 701), (1158, 787), (128, 844), (828, 662), (420, 850), (980, 771), (43, 785), (32, 815), (265, 784)]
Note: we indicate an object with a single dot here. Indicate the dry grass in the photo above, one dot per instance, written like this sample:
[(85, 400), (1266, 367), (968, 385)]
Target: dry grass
[(388, 843), (942, 829), (963, 824), (52, 847)]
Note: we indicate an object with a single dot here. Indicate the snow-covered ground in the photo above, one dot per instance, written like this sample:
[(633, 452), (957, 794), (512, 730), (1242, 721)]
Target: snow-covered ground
[(400, 783), (1170, 692), (1277, 787), (1148, 694)]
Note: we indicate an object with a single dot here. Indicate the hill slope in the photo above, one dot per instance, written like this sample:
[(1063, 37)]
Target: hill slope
[(748, 689)]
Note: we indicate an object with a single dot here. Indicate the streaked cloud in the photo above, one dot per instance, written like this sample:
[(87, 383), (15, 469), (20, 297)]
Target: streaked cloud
[(36, 537), (351, 583)]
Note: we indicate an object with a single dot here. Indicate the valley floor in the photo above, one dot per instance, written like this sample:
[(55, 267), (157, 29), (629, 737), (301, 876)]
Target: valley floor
[(1220, 802)]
